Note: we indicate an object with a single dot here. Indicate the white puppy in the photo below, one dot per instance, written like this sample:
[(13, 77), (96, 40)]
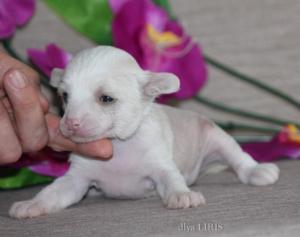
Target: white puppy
[(156, 147)]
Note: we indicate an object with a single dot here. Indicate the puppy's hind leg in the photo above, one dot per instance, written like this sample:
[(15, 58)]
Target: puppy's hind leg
[(62, 193), (246, 168)]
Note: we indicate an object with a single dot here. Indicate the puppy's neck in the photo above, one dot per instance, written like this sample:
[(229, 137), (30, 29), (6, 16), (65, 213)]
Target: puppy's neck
[(134, 128)]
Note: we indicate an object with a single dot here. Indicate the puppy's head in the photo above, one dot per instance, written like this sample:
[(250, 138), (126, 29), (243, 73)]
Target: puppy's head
[(106, 94)]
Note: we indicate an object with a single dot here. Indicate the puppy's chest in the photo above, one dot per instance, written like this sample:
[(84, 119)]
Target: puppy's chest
[(125, 175)]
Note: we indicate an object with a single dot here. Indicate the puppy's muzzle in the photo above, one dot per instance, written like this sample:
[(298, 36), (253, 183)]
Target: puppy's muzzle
[(72, 124)]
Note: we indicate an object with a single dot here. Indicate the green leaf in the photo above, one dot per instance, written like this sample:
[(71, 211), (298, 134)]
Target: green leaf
[(91, 18), (19, 178)]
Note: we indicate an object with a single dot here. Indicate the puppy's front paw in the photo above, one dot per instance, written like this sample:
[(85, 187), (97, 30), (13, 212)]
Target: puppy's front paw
[(27, 209), (263, 174), (178, 200)]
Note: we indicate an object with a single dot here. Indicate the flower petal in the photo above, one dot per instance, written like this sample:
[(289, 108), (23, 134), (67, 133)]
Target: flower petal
[(126, 28), (50, 167), (272, 150), (155, 15), (183, 58), (116, 5), (49, 162), (52, 57), (40, 59), (190, 69), (21, 10), (45, 162), (7, 23), (58, 57)]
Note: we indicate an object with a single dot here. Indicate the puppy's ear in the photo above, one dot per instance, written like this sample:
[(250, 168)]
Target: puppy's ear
[(56, 77), (160, 83)]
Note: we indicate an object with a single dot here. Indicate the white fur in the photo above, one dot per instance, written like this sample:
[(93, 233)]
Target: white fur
[(156, 147)]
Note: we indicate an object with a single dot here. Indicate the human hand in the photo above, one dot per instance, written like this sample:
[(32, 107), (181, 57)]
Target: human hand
[(25, 124)]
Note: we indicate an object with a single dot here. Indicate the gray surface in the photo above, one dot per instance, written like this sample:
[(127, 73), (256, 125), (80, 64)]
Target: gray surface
[(265, 211), (260, 37)]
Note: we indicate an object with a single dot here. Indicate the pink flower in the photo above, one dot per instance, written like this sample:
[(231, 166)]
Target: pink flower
[(284, 144), (158, 44), (13, 14), (52, 57)]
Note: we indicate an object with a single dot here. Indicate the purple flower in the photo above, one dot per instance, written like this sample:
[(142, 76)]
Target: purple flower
[(50, 163), (158, 44), (284, 144), (13, 14), (45, 162), (52, 57), (116, 5)]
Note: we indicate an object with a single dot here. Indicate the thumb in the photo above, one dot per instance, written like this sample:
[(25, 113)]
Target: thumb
[(101, 149)]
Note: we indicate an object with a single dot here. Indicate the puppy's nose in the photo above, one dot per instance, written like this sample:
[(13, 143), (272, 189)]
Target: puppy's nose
[(72, 123)]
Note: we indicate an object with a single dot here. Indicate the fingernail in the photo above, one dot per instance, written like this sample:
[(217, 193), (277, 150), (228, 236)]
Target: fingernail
[(18, 80)]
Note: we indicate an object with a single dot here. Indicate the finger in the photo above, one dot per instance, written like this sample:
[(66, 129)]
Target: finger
[(8, 63), (10, 148), (98, 149), (2, 93), (28, 113), (7, 105), (43, 99), (44, 103)]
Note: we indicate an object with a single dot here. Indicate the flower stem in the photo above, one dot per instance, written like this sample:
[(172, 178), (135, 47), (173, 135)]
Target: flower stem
[(240, 76), (243, 113), (232, 126), (7, 46), (248, 139)]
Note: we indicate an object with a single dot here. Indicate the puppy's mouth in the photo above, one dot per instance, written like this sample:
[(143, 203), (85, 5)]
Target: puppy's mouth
[(80, 138)]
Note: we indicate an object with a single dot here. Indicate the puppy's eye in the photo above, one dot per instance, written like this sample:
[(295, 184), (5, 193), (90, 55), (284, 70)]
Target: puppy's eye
[(106, 99), (65, 97)]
